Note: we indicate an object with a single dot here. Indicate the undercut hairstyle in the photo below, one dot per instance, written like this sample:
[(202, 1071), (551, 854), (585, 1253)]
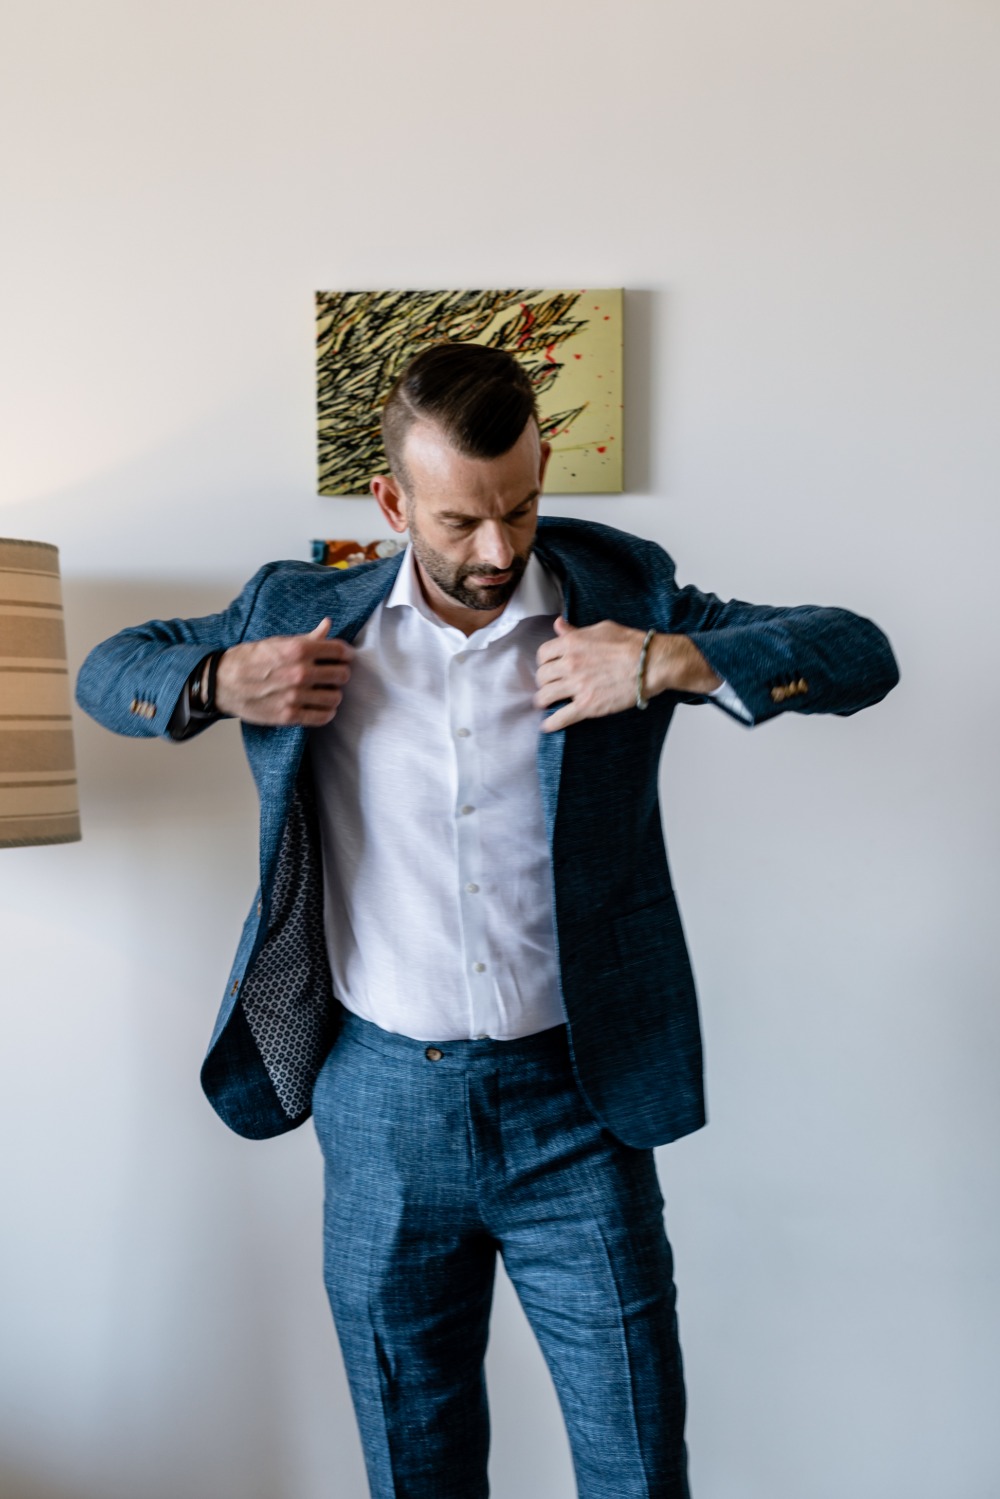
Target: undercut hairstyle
[(480, 398)]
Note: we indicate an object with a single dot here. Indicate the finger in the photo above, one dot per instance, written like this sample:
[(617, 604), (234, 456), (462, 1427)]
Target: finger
[(329, 650), (550, 671), (561, 719), (322, 702), (325, 674), (314, 718), (554, 692), (298, 678), (341, 657), (312, 712), (291, 718), (334, 647), (551, 650), (563, 626), (312, 655)]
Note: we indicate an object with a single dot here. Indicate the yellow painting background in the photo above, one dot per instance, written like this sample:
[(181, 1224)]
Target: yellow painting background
[(591, 376)]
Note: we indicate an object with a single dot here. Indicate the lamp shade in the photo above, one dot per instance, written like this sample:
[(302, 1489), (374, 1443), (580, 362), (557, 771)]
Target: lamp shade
[(38, 797)]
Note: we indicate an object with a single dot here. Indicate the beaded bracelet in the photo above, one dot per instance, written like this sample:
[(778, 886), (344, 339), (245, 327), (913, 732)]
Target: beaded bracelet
[(640, 674)]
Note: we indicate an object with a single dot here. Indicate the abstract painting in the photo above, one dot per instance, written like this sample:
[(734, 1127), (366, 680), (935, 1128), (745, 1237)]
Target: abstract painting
[(570, 343)]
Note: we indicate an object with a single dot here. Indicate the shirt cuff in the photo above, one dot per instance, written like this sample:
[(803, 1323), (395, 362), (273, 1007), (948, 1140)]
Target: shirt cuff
[(726, 698)]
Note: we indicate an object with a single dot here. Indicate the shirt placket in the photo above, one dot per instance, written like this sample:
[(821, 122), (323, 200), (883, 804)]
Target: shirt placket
[(465, 669)]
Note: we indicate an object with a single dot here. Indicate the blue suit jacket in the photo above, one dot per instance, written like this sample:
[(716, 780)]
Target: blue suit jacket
[(626, 980)]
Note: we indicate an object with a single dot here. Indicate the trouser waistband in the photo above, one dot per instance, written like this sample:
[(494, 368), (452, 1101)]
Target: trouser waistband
[(542, 1046)]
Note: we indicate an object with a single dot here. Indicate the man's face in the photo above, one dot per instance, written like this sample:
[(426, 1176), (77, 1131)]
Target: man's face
[(472, 521)]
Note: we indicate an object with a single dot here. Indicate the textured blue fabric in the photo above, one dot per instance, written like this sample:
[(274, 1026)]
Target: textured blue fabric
[(626, 981), (437, 1157)]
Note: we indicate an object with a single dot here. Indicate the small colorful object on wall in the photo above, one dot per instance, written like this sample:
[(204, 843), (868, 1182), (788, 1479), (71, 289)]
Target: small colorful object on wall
[(350, 553), (570, 342)]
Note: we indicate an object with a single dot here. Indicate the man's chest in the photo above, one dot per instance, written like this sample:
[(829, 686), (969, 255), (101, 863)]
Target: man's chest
[(427, 716)]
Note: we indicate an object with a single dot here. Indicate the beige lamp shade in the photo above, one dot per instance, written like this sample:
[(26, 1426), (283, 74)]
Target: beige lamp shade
[(38, 797)]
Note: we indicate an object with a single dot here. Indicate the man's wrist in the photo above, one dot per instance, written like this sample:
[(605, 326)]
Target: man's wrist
[(675, 664)]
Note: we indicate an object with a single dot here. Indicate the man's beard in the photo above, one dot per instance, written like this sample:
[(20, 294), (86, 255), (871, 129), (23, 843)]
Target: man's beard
[(452, 577)]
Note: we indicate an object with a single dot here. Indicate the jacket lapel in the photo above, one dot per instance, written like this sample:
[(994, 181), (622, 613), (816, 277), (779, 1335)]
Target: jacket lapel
[(358, 594), (552, 746), (276, 753), (588, 597)]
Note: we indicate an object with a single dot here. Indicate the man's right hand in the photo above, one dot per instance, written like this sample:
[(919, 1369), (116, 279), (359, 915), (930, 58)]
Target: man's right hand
[(286, 679)]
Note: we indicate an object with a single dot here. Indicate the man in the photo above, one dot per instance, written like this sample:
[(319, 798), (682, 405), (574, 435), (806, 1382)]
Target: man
[(466, 957)]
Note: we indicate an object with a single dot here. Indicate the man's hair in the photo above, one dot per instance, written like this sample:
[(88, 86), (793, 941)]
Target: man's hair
[(480, 398)]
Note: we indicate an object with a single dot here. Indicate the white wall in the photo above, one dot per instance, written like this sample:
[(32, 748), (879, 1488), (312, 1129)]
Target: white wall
[(803, 198)]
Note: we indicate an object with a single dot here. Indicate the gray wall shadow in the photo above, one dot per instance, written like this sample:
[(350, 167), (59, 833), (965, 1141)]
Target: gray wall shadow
[(21, 1485), (644, 310)]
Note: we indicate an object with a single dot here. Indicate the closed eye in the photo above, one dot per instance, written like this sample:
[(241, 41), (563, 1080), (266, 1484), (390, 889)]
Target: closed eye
[(521, 512)]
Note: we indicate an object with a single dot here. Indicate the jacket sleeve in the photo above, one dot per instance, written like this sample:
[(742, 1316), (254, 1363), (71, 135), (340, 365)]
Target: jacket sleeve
[(132, 683), (805, 659)]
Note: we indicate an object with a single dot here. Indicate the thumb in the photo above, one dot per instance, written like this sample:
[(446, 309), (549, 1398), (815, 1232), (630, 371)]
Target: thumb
[(563, 626), (321, 631)]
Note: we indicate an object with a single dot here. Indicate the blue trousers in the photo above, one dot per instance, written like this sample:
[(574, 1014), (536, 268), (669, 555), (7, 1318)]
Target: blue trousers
[(438, 1156)]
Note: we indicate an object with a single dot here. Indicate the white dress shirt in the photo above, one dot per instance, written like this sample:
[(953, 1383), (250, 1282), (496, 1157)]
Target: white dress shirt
[(438, 885), (438, 888)]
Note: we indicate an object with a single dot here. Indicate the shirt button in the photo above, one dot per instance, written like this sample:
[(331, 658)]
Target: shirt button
[(462, 733), (472, 889), (466, 810), (433, 1055), (479, 967)]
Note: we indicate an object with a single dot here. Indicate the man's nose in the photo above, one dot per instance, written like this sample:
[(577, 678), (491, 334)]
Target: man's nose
[(494, 546)]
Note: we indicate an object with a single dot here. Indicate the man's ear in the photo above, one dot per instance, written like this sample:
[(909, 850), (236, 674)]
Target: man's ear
[(546, 450), (390, 500)]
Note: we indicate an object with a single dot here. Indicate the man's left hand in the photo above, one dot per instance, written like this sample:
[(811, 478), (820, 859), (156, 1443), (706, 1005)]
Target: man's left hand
[(595, 667)]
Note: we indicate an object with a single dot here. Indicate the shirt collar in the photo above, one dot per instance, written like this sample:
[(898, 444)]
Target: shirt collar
[(538, 593)]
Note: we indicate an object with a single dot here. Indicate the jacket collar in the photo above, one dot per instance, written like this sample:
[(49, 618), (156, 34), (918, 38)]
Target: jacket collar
[(359, 593)]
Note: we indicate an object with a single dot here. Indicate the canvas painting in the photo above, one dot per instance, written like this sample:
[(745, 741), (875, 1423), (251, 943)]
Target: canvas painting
[(570, 342)]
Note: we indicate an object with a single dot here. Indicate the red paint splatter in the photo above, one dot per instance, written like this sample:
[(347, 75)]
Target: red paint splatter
[(607, 316), (577, 356), (549, 354), (602, 450), (528, 325)]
